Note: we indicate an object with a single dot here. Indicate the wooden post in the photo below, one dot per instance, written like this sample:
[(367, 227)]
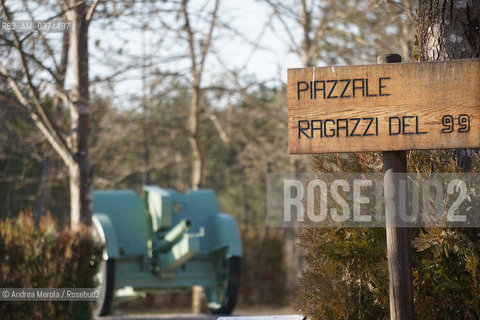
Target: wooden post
[(398, 239), (197, 299)]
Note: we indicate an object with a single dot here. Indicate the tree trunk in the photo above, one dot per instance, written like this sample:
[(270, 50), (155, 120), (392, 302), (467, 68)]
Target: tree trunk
[(198, 157), (291, 236), (245, 210), (196, 69), (80, 171), (146, 159), (449, 29)]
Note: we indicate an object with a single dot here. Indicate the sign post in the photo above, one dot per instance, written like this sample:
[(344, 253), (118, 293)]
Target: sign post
[(390, 107), (398, 239)]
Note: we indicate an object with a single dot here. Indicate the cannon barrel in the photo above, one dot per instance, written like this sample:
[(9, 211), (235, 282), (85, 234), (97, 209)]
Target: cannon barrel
[(173, 235)]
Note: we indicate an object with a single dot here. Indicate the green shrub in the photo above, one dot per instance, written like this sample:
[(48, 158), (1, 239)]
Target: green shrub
[(446, 273), (346, 274), (43, 257)]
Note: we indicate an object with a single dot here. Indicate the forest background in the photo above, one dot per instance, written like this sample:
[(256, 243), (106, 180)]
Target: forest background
[(185, 94)]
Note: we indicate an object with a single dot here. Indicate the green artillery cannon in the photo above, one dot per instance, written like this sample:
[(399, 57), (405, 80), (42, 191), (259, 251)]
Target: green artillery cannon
[(167, 240)]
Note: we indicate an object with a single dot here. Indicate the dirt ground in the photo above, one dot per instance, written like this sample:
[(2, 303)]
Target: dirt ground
[(184, 314)]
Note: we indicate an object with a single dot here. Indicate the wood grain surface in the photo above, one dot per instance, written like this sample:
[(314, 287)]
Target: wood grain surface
[(386, 107)]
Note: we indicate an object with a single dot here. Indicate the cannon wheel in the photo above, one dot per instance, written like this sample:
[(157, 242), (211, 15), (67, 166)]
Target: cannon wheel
[(222, 298), (106, 278)]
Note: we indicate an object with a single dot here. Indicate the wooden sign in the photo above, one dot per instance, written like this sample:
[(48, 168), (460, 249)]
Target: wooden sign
[(384, 107)]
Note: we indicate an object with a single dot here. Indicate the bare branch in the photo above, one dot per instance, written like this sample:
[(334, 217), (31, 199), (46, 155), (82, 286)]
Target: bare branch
[(58, 92), (293, 44), (191, 38), (30, 57), (91, 10), (57, 143), (218, 126), (42, 39), (41, 120), (112, 182), (206, 43)]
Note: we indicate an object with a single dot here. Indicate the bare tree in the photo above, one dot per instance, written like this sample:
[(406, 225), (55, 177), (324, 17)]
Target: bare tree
[(72, 148), (341, 31), (80, 170), (198, 50)]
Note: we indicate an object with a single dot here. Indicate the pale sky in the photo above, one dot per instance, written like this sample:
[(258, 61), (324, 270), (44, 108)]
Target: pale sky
[(268, 63)]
